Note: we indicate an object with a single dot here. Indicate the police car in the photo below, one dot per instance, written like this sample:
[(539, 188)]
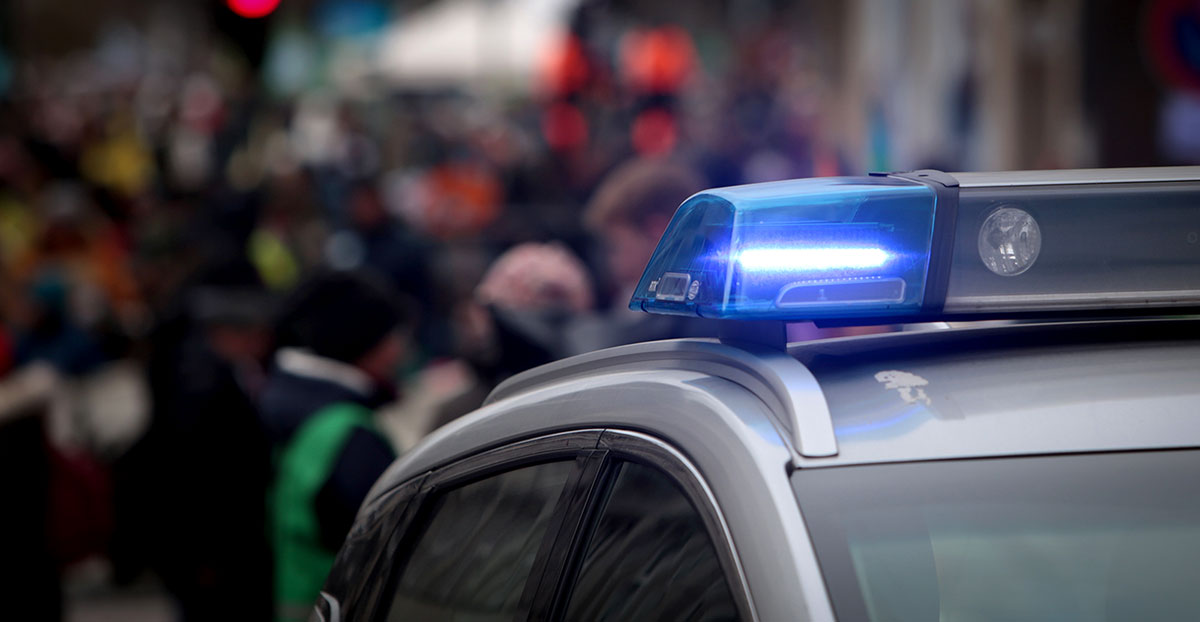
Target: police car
[(1043, 468)]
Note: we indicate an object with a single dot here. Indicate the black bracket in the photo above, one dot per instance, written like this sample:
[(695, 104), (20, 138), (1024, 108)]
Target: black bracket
[(770, 333), (945, 220)]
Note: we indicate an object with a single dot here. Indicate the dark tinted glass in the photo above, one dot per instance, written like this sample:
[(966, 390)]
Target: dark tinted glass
[(649, 557), (473, 559), (1085, 537)]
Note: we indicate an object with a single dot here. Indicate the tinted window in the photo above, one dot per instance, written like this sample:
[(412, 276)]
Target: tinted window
[(1085, 537), (473, 558), (649, 557)]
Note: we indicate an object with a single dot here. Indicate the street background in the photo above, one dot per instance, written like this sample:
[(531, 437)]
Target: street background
[(151, 150)]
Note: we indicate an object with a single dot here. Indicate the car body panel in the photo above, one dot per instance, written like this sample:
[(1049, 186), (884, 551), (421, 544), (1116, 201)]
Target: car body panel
[(1064, 177), (930, 395), (725, 431), (1010, 390)]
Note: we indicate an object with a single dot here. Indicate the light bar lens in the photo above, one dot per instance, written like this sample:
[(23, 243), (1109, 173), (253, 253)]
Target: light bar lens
[(860, 248), (1009, 241), (811, 259), (800, 249)]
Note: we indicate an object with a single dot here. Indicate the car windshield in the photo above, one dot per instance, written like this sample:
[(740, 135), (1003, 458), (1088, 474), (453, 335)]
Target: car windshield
[(1085, 537)]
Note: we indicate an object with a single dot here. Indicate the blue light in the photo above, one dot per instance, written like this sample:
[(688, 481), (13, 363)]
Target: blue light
[(811, 259), (794, 250)]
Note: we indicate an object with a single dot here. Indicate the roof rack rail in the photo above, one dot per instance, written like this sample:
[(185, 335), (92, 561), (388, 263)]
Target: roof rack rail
[(788, 388)]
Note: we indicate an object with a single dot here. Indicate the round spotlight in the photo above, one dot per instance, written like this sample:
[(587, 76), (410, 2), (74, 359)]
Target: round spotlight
[(1009, 241)]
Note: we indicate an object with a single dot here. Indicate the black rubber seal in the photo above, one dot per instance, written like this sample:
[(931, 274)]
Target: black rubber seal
[(945, 219)]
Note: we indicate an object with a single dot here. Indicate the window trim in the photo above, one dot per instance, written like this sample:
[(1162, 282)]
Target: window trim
[(578, 445), (359, 593), (564, 529), (629, 446), (597, 454)]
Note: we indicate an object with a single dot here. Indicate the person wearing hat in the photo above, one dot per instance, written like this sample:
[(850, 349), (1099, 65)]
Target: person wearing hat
[(343, 336)]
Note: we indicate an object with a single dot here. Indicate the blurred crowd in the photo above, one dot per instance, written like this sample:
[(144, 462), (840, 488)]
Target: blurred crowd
[(176, 245)]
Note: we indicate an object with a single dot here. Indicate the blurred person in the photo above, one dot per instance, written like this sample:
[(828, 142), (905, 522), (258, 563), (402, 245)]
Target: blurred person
[(47, 332), (290, 234), (536, 302), (629, 212), (385, 245), (80, 246), (539, 296), (516, 318), (6, 348), (343, 336), (30, 573), (57, 496), (536, 276), (192, 496), (529, 296), (19, 179)]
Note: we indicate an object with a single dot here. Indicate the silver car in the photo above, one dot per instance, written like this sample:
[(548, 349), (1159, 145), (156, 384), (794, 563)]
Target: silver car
[(1045, 468)]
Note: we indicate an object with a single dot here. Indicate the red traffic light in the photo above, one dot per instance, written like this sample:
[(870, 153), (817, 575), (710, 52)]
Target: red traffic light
[(252, 8)]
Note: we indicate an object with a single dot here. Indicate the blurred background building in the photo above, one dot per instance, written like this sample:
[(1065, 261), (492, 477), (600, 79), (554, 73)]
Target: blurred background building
[(147, 146)]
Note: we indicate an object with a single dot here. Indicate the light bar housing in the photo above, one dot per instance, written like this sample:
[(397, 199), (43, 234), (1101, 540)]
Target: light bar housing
[(910, 247)]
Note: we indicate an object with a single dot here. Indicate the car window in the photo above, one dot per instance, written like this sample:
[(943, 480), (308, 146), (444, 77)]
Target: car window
[(649, 557), (473, 558), (1079, 537)]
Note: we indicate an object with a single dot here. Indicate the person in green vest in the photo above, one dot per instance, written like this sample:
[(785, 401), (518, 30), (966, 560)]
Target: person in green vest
[(342, 337)]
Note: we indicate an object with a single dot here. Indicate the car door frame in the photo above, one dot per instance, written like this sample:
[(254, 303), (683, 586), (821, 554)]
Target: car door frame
[(367, 567), (620, 446), (597, 454)]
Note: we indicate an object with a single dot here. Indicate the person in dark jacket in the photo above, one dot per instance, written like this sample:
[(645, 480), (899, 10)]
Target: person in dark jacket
[(344, 335), (190, 497)]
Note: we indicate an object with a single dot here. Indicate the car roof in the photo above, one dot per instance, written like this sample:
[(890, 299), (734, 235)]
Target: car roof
[(706, 398), (1013, 389), (975, 391)]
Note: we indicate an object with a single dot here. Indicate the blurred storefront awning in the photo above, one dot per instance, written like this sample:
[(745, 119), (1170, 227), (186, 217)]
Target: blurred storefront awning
[(495, 43)]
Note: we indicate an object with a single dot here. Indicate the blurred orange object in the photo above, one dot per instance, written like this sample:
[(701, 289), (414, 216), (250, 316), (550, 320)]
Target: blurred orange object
[(654, 132), (464, 197), (564, 127), (565, 69), (6, 351), (81, 512), (657, 60), (92, 255)]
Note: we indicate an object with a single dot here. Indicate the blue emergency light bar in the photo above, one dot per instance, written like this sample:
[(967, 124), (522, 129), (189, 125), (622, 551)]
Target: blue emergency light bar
[(930, 245)]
